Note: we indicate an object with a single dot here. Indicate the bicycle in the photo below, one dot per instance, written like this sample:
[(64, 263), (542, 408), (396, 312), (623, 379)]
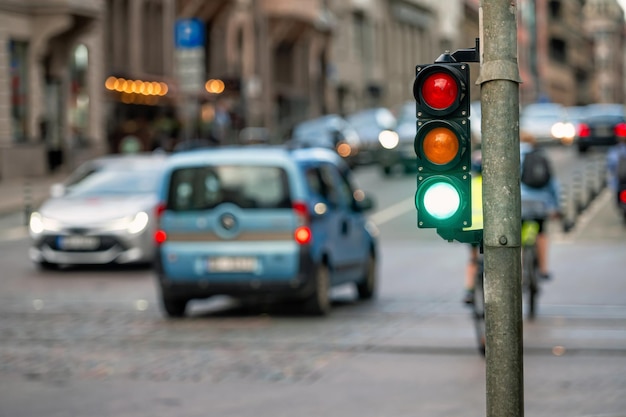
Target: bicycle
[(530, 265)]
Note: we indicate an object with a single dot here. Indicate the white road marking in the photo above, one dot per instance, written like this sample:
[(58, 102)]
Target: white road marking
[(393, 211)]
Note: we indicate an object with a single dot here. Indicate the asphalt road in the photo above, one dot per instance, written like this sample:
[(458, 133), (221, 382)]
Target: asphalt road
[(93, 342)]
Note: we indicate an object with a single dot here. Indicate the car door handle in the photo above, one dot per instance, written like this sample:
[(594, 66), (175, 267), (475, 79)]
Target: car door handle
[(344, 227)]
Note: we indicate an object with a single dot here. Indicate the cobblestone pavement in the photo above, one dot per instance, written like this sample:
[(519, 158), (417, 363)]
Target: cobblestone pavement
[(70, 344)]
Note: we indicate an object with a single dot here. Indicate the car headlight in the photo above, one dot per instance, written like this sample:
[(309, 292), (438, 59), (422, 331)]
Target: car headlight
[(39, 224), (562, 130), (139, 223), (388, 139), (131, 224)]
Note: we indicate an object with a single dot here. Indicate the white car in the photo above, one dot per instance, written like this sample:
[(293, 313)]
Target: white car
[(548, 123), (102, 214)]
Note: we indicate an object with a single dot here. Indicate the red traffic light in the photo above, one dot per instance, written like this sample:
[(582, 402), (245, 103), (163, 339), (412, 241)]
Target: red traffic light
[(439, 90)]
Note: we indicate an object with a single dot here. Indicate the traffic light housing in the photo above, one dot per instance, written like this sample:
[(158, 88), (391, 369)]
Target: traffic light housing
[(442, 145)]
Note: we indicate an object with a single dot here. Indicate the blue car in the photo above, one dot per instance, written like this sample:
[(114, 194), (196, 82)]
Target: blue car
[(270, 222)]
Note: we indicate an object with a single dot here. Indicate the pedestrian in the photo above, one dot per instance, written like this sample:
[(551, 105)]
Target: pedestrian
[(221, 126)]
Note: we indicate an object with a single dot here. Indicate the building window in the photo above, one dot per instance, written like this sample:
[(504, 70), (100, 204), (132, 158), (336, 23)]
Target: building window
[(360, 30), (153, 30), (79, 96), (19, 87), (283, 64), (557, 50), (555, 9), (118, 34)]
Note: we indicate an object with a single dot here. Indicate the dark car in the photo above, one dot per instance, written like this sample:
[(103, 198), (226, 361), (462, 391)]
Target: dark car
[(399, 151), (262, 222), (600, 125), (376, 129), (330, 131)]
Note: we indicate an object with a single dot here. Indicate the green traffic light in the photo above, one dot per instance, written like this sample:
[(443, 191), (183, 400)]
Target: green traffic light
[(441, 200)]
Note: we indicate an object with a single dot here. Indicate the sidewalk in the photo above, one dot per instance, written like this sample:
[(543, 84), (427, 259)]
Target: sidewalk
[(22, 193)]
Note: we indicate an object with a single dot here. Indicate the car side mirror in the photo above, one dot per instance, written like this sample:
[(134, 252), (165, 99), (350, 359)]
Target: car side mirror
[(366, 203), (338, 136)]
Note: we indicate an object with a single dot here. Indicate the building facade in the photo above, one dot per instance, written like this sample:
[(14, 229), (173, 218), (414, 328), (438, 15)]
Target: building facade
[(137, 81), (604, 22), (554, 52), (50, 97), (80, 78)]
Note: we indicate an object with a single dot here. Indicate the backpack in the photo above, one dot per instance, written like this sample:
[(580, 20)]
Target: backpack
[(536, 172)]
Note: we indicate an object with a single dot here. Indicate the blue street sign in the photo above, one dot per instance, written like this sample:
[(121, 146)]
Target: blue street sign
[(189, 33)]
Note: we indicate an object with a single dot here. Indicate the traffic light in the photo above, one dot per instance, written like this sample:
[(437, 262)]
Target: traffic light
[(442, 145)]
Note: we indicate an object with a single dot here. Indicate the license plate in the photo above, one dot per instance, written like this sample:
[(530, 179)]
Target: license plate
[(604, 131), (232, 264), (78, 242)]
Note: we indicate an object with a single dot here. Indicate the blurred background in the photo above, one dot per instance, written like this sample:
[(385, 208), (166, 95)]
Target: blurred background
[(83, 81), (80, 76)]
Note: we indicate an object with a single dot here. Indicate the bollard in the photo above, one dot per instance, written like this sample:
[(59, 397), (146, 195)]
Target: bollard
[(568, 214), (602, 174), (28, 201), (578, 192)]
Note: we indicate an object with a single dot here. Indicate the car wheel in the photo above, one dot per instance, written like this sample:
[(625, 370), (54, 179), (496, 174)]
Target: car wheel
[(174, 306), (582, 149), (367, 287), (386, 171), (318, 303)]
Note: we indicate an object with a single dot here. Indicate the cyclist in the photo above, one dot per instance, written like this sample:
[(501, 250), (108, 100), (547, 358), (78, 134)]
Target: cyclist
[(477, 223), (538, 203)]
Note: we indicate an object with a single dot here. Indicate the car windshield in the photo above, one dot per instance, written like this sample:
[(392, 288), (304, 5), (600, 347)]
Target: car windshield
[(612, 110), (199, 188), (407, 114), (544, 111), (118, 182), (373, 119), (313, 128)]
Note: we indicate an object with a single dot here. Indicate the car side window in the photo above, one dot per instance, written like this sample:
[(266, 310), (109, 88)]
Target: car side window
[(329, 181), (340, 189), (314, 181), (347, 191)]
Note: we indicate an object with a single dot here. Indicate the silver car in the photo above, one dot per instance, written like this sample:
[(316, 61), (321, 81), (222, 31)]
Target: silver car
[(102, 214)]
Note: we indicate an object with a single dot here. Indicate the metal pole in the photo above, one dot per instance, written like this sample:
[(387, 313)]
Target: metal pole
[(499, 80)]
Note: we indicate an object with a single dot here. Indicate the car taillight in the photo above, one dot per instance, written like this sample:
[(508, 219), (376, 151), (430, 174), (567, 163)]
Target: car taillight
[(159, 236), (160, 208), (620, 130), (622, 196), (583, 130), (302, 212), (302, 234)]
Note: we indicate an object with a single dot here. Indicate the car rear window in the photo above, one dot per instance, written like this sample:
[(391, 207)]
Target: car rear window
[(200, 188)]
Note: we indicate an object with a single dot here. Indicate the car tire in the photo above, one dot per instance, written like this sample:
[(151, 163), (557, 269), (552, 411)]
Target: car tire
[(387, 171), (174, 307), (582, 149), (367, 287), (318, 303)]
